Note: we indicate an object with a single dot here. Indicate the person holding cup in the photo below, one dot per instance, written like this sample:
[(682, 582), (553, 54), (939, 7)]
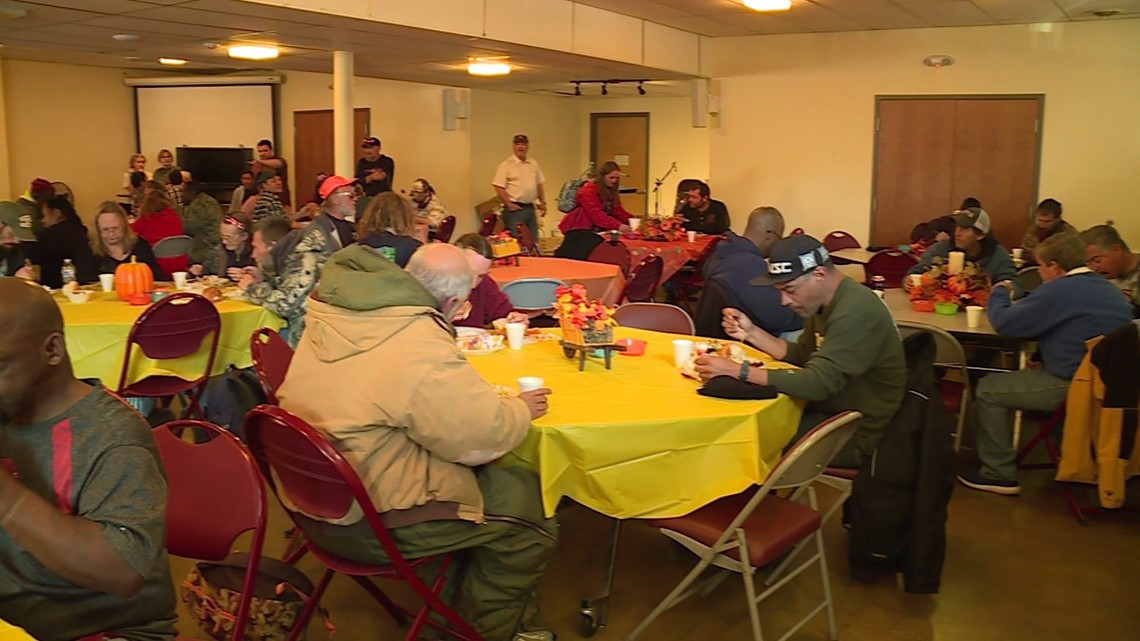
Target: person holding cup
[(378, 373)]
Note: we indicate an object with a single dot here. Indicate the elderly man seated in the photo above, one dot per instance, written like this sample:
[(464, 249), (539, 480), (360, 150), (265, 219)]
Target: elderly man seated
[(1109, 256), (379, 374), (1073, 305), (83, 495)]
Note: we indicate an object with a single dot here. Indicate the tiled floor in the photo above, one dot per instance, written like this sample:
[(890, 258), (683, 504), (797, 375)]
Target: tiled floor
[(1016, 569)]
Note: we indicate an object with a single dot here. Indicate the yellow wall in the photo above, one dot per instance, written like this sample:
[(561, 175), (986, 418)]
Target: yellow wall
[(797, 111), (68, 123)]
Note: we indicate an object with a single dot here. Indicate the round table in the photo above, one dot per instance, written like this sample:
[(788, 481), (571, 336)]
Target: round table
[(602, 280), (637, 441), (97, 330), (674, 254)]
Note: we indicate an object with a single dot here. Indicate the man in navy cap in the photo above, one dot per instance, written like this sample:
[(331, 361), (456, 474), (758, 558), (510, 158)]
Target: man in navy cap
[(374, 170), (849, 355)]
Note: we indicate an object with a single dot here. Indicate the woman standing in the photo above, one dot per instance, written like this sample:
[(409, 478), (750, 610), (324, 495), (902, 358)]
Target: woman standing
[(158, 220), (599, 205), (166, 163), (113, 242)]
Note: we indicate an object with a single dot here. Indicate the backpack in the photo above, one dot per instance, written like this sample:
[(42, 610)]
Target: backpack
[(230, 396), (568, 195)]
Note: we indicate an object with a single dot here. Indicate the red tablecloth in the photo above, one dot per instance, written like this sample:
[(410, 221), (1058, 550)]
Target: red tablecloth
[(603, 281), (674, 253)]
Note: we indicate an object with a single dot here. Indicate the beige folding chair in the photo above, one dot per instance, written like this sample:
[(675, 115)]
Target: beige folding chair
[(749, 530), (949, 355)]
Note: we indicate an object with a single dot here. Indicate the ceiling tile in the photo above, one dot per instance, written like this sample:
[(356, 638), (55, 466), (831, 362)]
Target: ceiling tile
[(131, 25), (707, 26), (812, 17), (881, 16), (644, 9), (1021, 10), (949, 14), (97, 6)]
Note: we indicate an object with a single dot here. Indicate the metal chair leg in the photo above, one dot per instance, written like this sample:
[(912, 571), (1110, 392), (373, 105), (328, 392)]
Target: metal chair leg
[(594, 612)]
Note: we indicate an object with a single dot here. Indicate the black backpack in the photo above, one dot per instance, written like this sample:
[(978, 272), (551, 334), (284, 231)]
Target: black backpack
[(230, 396)]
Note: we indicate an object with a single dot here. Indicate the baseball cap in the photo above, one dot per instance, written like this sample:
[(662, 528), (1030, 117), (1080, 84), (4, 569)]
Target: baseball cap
[(420, 185), (791, 258), (42, 186), (333, 183), (20, 221), (370, 141), (975, 217), (264, 176), (521, 138)]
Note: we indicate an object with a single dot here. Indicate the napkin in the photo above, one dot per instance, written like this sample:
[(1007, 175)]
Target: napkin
[(734, 388)]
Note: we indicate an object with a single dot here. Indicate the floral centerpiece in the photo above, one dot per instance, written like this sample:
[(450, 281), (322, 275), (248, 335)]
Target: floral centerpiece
[(583, 321), (667, 227), (970, 286), (503, 244)]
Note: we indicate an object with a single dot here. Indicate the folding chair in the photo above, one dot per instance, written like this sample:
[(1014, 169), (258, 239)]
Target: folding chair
[(749, 530), (173, 247), (271, 358), (796, 231), (1030, 278), (526, 240), (1046, 425), (446, 229), (658, 317), (488, 226), (956, 394), (315, 478), (643, 281), (892, 265), (612, 253), (175, 327), (532, 294), (837, 240), (215, 495)]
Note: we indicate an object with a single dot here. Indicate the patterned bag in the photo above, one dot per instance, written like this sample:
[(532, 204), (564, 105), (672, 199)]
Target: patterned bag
[(211, 592)]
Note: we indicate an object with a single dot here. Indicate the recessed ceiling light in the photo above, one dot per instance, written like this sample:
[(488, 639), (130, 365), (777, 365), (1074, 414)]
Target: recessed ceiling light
[(768, 5), (486, 67), (254, 52), (173, 62), (125, 37)]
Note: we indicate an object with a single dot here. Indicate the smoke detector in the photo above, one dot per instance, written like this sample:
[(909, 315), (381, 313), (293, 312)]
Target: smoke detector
[(938, 61)]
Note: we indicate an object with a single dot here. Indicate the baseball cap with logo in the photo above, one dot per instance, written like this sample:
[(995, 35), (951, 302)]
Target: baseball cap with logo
[(370, 141), (15, 217), (521, 138), (791, 258), (42, 186), (974, 217), (333, 183)]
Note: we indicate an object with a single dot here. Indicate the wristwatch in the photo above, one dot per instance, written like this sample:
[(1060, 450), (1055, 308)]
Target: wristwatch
[(744, 369)]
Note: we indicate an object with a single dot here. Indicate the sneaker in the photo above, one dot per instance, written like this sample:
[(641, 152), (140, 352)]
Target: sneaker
[(973, 479), (535, 635)]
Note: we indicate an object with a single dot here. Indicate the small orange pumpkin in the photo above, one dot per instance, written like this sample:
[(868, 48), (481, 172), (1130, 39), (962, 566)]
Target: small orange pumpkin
[(133, 278)]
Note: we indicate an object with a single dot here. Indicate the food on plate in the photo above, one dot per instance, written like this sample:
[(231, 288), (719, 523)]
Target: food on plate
[(214, 281), (479, 342), (213, 294), (731, 351)]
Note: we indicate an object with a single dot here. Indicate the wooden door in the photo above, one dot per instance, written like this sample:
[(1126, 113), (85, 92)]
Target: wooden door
[(313, 146), (624, 138), (931, 153)]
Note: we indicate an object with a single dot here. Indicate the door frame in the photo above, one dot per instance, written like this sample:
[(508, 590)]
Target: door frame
[(595, 117), (879, 99)]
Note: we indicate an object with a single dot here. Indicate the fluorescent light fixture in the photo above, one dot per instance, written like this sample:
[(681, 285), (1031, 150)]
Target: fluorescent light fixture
[(254, 52), (173, 62), (484, 67), (768, 5)]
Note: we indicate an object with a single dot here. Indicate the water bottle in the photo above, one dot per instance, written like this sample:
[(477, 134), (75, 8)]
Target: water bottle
[(67, 272)]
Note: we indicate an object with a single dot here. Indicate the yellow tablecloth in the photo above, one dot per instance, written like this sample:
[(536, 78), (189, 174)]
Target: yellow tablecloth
[(637, 441), (97, 332), (9, 632)]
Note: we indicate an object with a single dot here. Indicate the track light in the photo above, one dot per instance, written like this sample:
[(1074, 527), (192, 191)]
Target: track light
[(605, 92), (577, 89), (640, 89)]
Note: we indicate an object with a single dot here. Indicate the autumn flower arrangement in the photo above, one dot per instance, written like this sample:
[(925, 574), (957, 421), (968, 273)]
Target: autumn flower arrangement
[(667, 227), (970, 286), (503, 244), (583, 321)]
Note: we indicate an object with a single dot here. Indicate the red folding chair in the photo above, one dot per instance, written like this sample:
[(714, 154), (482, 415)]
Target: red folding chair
[(643, 282), (526, 240), (319, 482), (215, 495), (175, 327), (796, 231), (892, 265), (271, 358), (446, 229), (1046, 425), (690, 279), (488, 226), (612, 252), (657, 317), (837, 240)]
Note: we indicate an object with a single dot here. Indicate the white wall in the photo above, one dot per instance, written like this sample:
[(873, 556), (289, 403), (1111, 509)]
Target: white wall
[(797, 113)]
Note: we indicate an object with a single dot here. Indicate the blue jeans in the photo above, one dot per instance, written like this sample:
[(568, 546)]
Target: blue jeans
[(524, 215), (998, 395)]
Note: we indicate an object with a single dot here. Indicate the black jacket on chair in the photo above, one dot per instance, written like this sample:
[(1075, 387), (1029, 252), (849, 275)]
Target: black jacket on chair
[(897, 508), (709, 321)]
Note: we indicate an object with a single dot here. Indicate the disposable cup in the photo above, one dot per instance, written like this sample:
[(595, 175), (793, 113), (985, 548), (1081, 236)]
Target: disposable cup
[(107, 281), (915, 280), (179, 280), (974, 315), (634, 223), (528, 383), (1017, 251), (692, 236), (515, 334), (682, 352)]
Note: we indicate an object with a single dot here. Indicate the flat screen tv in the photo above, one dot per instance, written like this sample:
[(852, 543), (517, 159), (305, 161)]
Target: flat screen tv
[(215, 166)]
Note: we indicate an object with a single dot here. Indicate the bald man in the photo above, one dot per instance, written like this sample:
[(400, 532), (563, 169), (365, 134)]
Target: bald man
[(83, 512), (738, 259)]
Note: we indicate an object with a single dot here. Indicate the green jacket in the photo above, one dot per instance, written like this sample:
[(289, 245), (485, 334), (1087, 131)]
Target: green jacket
[(361, 279), (850, 358), (202, 221)]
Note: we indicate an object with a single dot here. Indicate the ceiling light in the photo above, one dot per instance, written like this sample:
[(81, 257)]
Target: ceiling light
[(173, 62), (768, 5), (253, 52), (605, 91), (124, 37), (484, 67)]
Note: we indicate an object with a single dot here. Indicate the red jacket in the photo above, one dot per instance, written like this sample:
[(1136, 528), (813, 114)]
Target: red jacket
[(159, 225), (488, 303), (589, 214)]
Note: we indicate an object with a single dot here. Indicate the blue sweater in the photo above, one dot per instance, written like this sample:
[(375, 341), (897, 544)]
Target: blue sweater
[(735, 262), (1061, 315)]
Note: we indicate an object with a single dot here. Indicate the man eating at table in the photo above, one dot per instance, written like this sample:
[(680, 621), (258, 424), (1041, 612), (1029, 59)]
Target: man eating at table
[(849, 354), (82, 492), (378, 373)]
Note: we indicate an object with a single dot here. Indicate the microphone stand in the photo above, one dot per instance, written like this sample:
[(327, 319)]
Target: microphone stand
[(657, 190)]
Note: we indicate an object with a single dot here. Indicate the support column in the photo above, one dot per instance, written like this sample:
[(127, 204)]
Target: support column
[(344, 145)]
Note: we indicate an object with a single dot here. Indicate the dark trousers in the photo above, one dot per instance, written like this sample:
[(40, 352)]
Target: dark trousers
[(525, 215)]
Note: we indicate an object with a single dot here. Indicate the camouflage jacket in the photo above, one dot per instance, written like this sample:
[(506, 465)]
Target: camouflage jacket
[(202, 221)]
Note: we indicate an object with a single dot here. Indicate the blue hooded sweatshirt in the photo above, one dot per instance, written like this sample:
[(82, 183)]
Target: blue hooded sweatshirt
[(736, 261)]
